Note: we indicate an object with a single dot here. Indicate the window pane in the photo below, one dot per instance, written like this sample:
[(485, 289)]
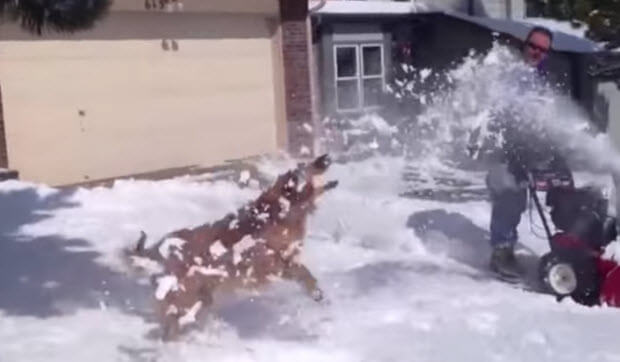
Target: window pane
[(348, 96), (373, 89), (346, 61), (372, 60)]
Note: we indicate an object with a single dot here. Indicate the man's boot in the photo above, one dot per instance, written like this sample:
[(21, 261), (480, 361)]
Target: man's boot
[(504, 263)]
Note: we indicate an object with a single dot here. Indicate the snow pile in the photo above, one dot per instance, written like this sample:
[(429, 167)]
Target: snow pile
[(390, 294), (564, 26), (373, 7), (131, 206)]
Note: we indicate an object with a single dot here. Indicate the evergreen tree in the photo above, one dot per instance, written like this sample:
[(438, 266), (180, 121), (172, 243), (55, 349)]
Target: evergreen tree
[(601, 16), (55, 15)]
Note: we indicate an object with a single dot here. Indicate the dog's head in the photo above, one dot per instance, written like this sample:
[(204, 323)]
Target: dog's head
[(290, 200), (301, 187), (293, 194)]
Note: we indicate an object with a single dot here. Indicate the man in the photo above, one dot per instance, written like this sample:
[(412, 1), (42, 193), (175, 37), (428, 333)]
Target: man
[(507, 181)]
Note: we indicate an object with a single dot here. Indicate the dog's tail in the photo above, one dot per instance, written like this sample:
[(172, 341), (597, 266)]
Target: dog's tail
[(139, 249), (141, 258)]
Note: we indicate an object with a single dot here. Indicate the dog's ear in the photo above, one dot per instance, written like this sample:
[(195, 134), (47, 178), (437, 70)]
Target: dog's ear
[(141, 243), (322, 162)]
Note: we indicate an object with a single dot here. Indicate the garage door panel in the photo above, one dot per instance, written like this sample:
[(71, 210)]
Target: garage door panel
[(144, 109)]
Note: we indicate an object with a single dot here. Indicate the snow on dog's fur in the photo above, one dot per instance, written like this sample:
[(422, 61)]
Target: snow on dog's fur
[(259, 243)]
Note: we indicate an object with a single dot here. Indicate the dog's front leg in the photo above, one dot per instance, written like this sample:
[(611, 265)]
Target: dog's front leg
[(171, 329), (169, 321), (299, 273), (206, 297)]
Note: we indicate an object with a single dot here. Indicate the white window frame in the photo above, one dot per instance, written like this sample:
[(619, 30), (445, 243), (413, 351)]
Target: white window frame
[(355, 77), (376, 76), (359, 76)]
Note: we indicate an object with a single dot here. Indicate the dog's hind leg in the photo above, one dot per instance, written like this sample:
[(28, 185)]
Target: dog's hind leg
[(299, 273), (173, 312), (171, 328), (206, 298)]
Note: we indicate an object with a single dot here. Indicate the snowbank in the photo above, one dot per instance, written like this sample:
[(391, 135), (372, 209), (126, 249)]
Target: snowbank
[(372, 7), (559, 25), (392, 295)]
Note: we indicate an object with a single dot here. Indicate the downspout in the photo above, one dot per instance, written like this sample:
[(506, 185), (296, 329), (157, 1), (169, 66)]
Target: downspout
[(470, 8), (315, 91), (509, 9), (4, 159), (317, 7)]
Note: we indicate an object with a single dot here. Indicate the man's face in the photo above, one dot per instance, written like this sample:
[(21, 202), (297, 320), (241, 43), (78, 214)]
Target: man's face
[(537, 48)]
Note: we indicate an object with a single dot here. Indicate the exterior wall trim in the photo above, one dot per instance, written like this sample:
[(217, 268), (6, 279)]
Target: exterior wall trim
[(297, 76), (4, 159)]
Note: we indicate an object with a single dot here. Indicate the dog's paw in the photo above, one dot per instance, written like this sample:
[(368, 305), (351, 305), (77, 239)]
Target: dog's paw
[(317, 295)]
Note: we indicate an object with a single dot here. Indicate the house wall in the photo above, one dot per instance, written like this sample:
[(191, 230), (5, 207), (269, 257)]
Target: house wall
[(452, 5), (608, 95), (491, 8), (608, 103), (518, 9), (501, 9), (111, 102), (441, 40)]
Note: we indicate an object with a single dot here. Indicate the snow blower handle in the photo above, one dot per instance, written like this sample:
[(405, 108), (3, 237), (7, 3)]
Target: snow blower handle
[(534, 196)]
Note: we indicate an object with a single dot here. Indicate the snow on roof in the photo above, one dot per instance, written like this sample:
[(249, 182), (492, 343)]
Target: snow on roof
[(559, 25), (561, 41), (565, 38), (372, 7)]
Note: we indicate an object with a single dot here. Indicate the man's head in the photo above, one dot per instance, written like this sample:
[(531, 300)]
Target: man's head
[(537, 45)]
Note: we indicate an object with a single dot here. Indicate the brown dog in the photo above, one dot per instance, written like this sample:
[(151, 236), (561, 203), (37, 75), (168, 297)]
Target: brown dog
[(259, 243)]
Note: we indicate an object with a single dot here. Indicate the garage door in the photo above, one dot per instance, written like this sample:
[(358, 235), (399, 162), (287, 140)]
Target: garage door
[(117, 103)]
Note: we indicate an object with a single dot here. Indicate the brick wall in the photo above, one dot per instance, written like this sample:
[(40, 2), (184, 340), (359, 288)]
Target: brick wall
[(298, 98), (4, 160)]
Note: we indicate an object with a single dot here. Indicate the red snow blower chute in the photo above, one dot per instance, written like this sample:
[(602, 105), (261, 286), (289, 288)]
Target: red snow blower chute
[(574, 266)]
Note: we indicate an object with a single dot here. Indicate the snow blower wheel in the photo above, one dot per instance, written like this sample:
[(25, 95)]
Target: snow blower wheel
[(558, 276), (563, 277)]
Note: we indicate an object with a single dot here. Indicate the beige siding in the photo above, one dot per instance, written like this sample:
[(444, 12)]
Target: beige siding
[(144, 109)]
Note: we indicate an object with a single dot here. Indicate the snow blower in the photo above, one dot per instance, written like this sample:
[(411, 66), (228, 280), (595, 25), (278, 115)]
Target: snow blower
[(574, 266)]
